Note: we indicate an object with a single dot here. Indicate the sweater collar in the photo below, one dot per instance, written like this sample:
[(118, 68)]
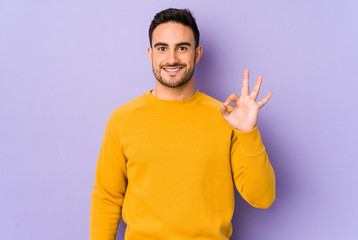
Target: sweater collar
[(172, 103)]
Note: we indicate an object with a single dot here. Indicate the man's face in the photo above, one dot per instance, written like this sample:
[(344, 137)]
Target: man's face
[(173, 54)]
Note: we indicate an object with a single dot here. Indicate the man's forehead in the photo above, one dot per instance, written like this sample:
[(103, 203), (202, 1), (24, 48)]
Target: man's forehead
[(172, 33)]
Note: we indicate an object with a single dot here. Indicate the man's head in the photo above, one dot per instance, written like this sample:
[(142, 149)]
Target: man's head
[(182, 16), (174, 49)]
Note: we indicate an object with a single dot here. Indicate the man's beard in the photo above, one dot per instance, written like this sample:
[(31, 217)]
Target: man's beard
[(186, 78)]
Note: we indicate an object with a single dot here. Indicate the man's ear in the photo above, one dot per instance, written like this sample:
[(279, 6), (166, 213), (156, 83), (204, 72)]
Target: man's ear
[(198, 53), (150, 54)]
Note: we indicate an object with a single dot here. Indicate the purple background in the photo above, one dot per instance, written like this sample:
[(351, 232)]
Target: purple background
[(66, 65)]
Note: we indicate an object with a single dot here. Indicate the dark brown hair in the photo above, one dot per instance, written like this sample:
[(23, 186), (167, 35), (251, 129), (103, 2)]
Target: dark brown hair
[(183, 16)]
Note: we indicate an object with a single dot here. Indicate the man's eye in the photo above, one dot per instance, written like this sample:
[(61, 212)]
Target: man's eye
[(182, 48), (161, 49)]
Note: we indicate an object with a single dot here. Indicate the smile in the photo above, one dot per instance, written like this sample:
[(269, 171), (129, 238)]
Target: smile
[(172, 69)]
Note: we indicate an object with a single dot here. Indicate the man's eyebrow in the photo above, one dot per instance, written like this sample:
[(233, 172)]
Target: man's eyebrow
[(178, 44), (183, 44), (160, 44)]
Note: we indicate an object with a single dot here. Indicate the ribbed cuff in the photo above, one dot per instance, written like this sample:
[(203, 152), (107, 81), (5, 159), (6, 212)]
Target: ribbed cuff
[(250, 142)]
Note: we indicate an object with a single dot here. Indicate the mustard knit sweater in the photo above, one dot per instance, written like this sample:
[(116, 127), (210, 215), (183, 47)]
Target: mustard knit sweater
[(168, 167)]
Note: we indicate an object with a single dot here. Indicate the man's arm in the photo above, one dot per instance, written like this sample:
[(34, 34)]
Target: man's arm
[(251, 168), (109, 187)]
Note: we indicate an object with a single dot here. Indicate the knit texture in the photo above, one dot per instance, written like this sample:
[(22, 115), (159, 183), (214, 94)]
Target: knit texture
[(168, 169)]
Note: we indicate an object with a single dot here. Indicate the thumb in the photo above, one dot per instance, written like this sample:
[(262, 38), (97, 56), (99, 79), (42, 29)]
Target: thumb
[(224, 111)]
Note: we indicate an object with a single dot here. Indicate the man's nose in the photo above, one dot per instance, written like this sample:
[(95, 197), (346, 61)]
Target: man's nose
[(172, 57)]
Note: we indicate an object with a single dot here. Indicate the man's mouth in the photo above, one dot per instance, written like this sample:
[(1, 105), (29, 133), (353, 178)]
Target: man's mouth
[(175, 69)]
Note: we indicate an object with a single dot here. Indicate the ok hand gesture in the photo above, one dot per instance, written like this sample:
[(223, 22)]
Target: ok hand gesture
[(243, 116)]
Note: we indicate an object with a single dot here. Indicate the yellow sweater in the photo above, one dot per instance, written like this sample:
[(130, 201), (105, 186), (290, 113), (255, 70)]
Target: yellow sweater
[(167, 168)]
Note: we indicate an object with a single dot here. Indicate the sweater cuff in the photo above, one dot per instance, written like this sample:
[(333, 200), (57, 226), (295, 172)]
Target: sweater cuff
[(250, 142)]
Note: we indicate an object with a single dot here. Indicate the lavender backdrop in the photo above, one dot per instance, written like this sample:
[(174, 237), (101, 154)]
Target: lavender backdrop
[(66, 65)]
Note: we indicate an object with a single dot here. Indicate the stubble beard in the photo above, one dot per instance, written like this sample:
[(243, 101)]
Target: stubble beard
[(172, 84)]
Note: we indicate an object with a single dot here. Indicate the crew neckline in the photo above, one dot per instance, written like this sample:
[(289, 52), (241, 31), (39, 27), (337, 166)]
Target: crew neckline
[(170, 103)]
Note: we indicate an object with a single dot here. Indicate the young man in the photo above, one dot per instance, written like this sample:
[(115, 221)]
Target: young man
[(169, 157)]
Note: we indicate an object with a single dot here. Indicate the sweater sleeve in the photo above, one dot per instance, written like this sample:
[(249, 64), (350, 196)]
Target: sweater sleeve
[(252, 172), (109, 186)]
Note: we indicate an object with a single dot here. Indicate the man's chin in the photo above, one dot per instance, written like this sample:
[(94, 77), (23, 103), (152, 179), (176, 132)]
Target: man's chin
[(172, 84)]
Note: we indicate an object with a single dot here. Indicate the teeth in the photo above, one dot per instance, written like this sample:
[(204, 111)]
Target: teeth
[(172, 70)]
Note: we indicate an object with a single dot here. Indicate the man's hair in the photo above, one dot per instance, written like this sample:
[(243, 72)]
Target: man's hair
[(183, 16)]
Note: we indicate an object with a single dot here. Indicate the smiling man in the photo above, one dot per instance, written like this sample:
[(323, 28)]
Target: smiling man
[(170, 158)]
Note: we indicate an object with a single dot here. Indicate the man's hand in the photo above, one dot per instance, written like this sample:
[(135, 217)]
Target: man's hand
[(244, 115)]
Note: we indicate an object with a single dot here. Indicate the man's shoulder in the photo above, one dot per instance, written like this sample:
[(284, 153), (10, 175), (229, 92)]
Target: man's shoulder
[(132, 105), (125, 110), (210, 101)]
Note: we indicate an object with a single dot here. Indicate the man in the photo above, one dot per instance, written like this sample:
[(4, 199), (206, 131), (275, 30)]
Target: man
[(169, 157)]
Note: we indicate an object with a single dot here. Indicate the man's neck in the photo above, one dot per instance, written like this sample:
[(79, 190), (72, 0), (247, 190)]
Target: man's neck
[(180, 93)]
